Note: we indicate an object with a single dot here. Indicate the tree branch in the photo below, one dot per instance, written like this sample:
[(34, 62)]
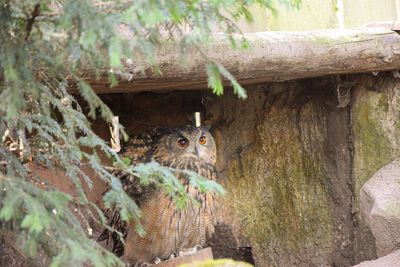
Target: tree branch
[(31, 20), (100, 4)]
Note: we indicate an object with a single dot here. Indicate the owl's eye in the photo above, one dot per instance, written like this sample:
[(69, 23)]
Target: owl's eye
[(183, 142), (202, 140)]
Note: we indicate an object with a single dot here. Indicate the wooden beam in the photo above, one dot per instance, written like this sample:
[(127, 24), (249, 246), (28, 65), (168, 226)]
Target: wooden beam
[(273, 57)]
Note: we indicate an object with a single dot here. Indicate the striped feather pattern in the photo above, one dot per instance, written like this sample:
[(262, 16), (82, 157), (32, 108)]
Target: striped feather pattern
[(167, 229)]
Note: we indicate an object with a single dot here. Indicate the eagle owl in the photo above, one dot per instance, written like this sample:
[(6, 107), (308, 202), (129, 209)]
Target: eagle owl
[(167, 228)]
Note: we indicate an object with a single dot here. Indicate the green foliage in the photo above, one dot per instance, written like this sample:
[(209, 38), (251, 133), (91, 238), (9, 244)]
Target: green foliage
[(47, 223), (291, 3), (164, 177), (45, 47)]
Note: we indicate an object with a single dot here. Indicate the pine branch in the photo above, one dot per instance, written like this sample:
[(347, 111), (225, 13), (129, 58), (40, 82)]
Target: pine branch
[(31, 20), (99, 4), (40, 118)]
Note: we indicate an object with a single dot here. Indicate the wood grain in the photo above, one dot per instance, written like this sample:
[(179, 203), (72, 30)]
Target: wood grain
[(273, 57)]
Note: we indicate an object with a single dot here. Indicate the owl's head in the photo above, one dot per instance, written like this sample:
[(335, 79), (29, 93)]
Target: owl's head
[(188, 143)]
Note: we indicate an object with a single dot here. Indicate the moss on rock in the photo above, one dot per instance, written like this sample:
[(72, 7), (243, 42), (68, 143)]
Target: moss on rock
[(294, 163), (376, 134), (217, 263), (373, 149), (376, 128), (278, 188)]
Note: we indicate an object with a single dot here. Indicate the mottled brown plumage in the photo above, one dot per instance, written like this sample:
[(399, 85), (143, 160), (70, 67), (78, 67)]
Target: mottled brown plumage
[(167, 228)]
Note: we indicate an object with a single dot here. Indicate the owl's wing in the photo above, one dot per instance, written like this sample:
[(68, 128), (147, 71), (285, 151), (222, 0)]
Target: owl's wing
[(138, 149), (140, 194)]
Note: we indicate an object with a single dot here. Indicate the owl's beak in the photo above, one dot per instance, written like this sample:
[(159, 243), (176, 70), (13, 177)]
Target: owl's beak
[(196, 152)]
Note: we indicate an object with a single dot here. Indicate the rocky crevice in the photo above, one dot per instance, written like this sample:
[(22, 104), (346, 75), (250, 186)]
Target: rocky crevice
[(289, 157), (284, 120)]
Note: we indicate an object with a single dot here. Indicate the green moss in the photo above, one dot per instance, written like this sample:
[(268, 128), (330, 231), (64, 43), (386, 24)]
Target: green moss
[(215, 263), (322, 40), (373, 149), (329, 40), (285, 181), (376, 134), (383, 103)]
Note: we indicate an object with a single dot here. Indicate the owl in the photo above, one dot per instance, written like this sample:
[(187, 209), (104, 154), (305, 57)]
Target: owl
[(167, 229)]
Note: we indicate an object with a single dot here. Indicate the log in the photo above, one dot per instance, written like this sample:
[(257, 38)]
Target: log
[(273, 57)]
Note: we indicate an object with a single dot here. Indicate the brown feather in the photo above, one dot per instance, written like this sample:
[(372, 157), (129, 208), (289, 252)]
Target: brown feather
[(167, 228)]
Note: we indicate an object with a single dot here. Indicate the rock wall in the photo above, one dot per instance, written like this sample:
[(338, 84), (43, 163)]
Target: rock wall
[(292, 157), (284, 157), (380, 205), (376, 127)]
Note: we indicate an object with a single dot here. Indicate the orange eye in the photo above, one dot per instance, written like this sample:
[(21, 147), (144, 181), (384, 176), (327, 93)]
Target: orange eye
[(202, 140), (183, 142)]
